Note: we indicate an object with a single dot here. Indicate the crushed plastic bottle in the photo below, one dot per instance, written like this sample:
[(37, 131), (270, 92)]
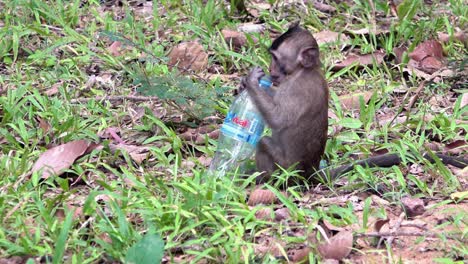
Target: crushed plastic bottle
[(242, 129)]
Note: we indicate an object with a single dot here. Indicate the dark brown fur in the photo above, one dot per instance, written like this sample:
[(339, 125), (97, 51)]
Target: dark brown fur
[(298, 112)]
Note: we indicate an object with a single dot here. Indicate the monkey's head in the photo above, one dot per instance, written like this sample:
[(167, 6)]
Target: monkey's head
[(294, 50)]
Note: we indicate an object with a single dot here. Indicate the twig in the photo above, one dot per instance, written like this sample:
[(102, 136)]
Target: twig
[(411, 102), (395, 229), (415, 97), (418, 234), (116, 98)]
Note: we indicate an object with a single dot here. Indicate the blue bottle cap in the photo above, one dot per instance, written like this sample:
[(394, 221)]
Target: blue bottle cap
[(265, 82)]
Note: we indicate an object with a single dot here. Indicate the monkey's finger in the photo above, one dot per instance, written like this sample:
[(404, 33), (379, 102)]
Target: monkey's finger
[(243, 84)]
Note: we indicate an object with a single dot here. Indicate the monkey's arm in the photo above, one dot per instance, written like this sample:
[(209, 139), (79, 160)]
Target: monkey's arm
[(261, 98), (388, 160)]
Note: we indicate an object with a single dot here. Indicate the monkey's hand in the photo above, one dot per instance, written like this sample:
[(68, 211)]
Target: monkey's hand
[(251, 81)]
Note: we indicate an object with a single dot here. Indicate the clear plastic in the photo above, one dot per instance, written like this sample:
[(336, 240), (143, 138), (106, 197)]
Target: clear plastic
[(240, 133)]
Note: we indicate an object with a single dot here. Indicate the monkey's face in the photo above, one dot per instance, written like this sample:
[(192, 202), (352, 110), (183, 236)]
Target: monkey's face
[(283, 62)]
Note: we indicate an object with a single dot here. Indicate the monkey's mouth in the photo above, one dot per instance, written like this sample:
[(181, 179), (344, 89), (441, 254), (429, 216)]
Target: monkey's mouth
[(275, 80)]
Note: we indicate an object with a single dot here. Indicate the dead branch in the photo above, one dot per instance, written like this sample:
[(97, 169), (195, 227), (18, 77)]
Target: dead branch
[(117, 98)]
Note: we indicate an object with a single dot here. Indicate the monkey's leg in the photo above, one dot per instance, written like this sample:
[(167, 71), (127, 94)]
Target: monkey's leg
[(266, 158)]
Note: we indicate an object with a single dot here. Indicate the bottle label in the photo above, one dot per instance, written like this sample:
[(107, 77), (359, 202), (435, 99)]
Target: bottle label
[(247, 129)]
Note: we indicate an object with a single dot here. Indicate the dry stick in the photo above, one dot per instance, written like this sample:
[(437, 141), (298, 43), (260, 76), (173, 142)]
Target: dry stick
[(415, 97), (394, 229), (396, 234), (116, 98), (411, 102)]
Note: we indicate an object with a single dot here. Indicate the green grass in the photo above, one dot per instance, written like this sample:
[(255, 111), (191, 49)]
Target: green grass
[(62, 43)]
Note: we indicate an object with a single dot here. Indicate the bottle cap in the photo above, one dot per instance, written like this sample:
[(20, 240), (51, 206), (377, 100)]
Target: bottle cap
[(265, 82)]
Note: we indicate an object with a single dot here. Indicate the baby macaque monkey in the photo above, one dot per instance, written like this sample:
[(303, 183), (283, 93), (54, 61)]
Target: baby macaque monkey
[(298, 112)]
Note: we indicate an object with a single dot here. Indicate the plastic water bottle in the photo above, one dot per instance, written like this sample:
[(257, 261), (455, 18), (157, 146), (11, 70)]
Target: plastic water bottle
[(242, 129)]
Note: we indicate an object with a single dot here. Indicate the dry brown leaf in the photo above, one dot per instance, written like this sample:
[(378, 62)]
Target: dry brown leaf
[(458, 36), (323, 7), (361, 60), (282, 214), (330, 261), (324, 37), (60, 158), (457, 147), (189, 56), (198, 134), (44, 125), (367, 31), (297, 255), (234, 38), (430, 48), (269, 246), (264, 214), (77, 211), (339, 247), (137, 153), (464, 100), (427, 57), (111, 133), (413, 206), (16, 260), (399, 52), (330, 227), (251, 28), (380, 223), (115, 48), (54, 89), (259, 196), (351, 101)]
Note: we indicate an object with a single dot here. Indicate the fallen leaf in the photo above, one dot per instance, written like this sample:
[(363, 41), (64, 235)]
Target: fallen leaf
[(44, 125), (297, 255), (330, 261), (457, 36), (115, 48), (361, 60), (458, 196), (430, 64), (137, 153), (325, 37), (380, 223), (198, 135), (351, 102), (234, 38), (338, 247), (413, 206), (457, 147), (464, 100), (399, 52), (111, 133), (329, 227), (251, 28), (189, 56), (323, 7), (59, 158), (282, 214), (270, 246), (17, 260), (259, 196), (427, 56), (54, 89), (368, 31), (264, 214)]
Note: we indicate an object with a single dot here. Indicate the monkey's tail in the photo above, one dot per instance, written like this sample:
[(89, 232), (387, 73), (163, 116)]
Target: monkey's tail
[(388, 160)]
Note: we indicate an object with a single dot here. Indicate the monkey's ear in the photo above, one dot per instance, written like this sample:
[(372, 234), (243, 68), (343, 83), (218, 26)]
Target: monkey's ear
[(309, 57)]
